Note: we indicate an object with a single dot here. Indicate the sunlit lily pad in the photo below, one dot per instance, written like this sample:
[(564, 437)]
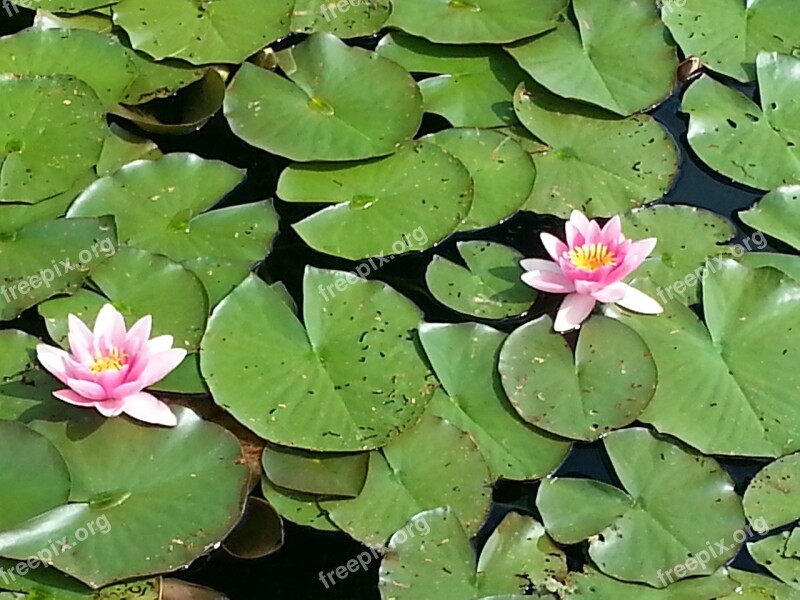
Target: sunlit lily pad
[(122, 147), (518, 558), (606, 385), (729, 389), (338, 103), (475, 21), (322, 474), (205, 32), (473, 85), (144, 523), (639, 535), (618, 59), (406, 202), (161, 205), (777, 214), (489, 287), (593, 585), (71, 6), (433, 464), (51, 133), (353, 379), (464, 357), (727, 35), (354, 18), (732, 134), (596, 163)]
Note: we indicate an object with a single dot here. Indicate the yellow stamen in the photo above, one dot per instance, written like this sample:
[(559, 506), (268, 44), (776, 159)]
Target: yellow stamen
[(591, 257), (114, 361)]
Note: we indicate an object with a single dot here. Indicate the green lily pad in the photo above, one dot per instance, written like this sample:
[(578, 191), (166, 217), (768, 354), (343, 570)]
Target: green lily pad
[(352, 380), (728, 389), (135, 521), (753, 586), (163, 206), (297, 507), (47, 258), (639, 536), (772, 495), (598, 63), (777, 214), (71, 6), (593, 585), (502, 173), (321, 474), (119, 279), (517, 559), (94, 58), (203, 32), (475, 21), (51, 135), (17, 353), (219, 276), (338, 103), (122, 147), (689, 239), (489, 287), (464, 358), (406, 202), (433, 464), (605, 386), (25, 452), (787, 263), (729, 132), (474, 85), (354, 18), (727, 35), (579, 172), (770, 553)]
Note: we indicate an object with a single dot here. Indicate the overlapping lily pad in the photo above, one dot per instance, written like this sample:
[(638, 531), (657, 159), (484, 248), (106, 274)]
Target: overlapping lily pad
[(353, 379), (777, 214), (773, 553), (619, 59), (731, 133), (406, 202), (727, 389), (297, 507), (596, 163), (354, 18), (636, 536), (320, 474), (143, 522), (338, 103), (772, 495), (202, 33), (727, 35), (606, 385), (593, 585)]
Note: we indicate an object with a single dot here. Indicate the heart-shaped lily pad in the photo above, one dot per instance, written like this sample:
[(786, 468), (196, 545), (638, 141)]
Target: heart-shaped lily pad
[(605, 386), (354, 18), (730, 132), (203, 32), (777, 214), (162, 206), (474, 85), (488, 288), (51, 134), (353, 379), (338, 103), (727, 35), (579, 172), (433, 464), (728, 389), (475, 21), (406, 202), (639, 536), (464, 358), (321, 474), (618, 59), (437, 561), (144, 500)]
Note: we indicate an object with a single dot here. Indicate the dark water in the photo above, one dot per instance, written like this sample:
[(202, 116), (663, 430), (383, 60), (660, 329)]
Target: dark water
[(293, 573)]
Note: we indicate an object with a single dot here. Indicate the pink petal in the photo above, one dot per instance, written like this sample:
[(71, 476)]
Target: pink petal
[(88, 389), (112, 407), (610, 293), (149, 409), (158, 344), (538, 264), (573, 311), (639, 302), (594, 235), (554, 246), (549, 281), (580, 222), (156, 368), (109, 329), (634, 258), (71, 397), (110, 380), (53, 360), (80, 339), (574, 237), (138, 335), (611, 232)]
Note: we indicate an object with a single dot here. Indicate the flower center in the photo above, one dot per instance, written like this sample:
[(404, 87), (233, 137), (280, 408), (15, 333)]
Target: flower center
[(113, 361), (591, 257)]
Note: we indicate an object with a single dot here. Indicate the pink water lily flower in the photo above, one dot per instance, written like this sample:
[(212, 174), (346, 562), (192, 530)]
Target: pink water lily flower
[(109, 367), (590, 268)]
